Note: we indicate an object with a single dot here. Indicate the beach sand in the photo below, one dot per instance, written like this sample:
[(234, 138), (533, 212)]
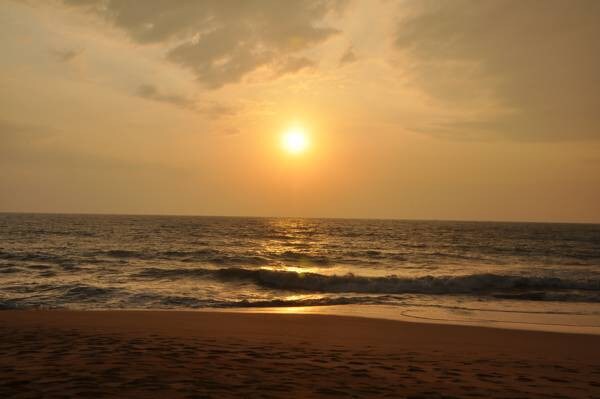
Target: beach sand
[(174, 354)]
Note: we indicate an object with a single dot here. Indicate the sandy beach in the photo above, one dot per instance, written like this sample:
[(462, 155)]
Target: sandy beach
[(202, 354)]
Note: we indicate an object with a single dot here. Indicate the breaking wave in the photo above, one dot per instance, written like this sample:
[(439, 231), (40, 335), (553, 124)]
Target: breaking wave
[(493, 284)]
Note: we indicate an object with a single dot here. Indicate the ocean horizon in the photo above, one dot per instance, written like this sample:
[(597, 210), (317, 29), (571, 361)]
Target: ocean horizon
[(232, 216)]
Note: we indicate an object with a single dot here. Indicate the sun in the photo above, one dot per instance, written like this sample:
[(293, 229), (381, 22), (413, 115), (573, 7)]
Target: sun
[(295, 140)]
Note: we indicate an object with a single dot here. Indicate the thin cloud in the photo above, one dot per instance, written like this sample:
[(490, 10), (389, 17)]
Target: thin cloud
[(67, 55), (293, 65), (213, 109), (348, 57), (151, 92)]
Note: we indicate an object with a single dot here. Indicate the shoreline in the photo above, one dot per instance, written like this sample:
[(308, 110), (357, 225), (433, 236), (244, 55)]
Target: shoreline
[(236, 354), (384, 312), (376, 312)]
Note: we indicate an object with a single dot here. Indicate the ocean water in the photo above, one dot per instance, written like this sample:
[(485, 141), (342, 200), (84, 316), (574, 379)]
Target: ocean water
[(522, 273)]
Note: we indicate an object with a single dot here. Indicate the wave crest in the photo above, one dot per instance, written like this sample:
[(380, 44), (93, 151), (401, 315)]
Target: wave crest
[(313, 282)]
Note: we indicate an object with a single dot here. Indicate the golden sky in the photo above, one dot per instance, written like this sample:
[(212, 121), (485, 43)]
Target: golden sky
[(463, 109)]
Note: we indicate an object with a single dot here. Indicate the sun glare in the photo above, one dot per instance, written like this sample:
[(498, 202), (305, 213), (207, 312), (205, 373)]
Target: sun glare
[(295, 140)]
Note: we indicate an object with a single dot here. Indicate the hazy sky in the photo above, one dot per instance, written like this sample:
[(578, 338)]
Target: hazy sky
[(463, 109)]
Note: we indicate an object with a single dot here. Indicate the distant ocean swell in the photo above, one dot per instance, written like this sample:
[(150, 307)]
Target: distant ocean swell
[(202, 255), (331, 257)]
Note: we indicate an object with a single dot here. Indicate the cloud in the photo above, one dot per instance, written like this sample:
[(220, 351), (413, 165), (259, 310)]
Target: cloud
[(229, 131), (527, 69), (213, 110), (150, 92), (292, 65), (223, 41), (348, 57), (67, 55), (216, 110)]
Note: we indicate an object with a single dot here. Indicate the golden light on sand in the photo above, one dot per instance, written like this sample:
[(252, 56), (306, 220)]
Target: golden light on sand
[(295, 140)]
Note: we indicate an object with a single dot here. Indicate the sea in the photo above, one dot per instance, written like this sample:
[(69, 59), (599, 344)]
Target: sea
[(521, 275)]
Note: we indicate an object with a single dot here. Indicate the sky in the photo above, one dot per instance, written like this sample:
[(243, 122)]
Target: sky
[(463, 109)]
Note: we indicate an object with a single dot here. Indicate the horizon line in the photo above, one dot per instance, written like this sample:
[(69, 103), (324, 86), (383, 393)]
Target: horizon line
[(300, 217)]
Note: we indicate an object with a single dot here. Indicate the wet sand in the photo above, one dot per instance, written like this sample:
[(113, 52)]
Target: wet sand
[(174, 354)]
